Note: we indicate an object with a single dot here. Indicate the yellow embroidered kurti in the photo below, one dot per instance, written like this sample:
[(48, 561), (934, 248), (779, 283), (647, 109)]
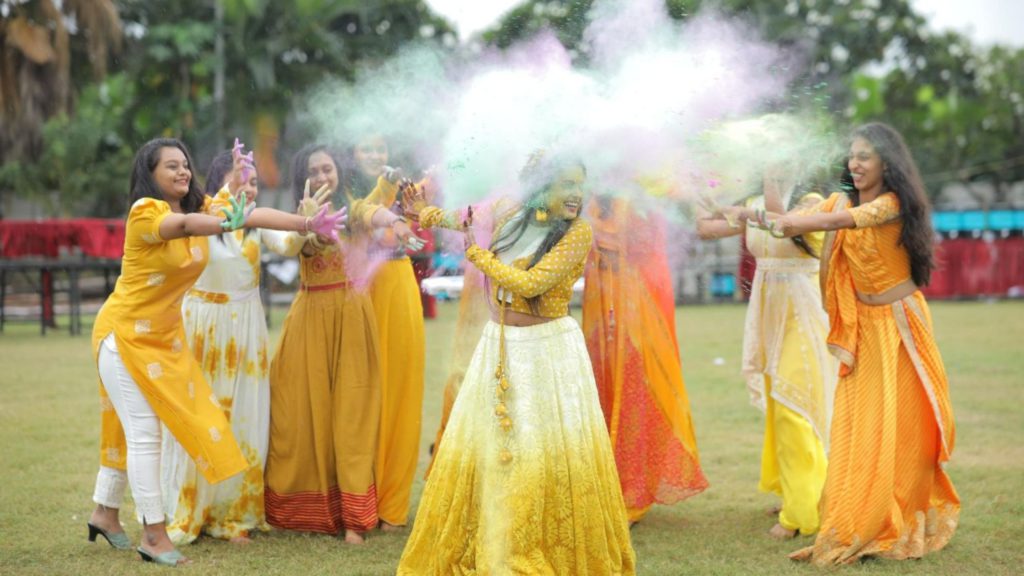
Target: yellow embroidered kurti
[(226, 330), (325, 396), (886, 493), (524, 480), (629, 323), (790, 374), (144, 315), (399, 311)]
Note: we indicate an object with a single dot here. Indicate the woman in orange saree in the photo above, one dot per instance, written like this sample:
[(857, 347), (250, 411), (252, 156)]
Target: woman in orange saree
[(886, 493), (629, 324)]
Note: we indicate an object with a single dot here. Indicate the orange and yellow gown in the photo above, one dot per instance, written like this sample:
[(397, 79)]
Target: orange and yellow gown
[(886, 493), (144, 315), (325, 400), (629, 324)]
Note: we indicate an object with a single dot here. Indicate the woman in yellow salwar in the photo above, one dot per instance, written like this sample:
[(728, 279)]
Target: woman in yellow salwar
[(148, 376), (325, 401), (629, 324), (886, 493), (399, 310), (524, 480), (790, 374)]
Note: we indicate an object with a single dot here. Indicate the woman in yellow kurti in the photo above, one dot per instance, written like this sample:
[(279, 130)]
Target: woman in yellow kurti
[(790, 374), (524, 479), (148, 377), (325, 377), (886, 493), (630, 327), (399, 310)]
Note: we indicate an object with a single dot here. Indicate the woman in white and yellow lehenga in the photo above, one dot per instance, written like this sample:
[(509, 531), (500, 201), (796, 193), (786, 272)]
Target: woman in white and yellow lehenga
[(524, 479), (790, 374), (226, 330)]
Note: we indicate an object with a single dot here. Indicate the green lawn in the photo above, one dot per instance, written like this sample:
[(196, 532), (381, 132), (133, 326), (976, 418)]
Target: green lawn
[(49, 434)]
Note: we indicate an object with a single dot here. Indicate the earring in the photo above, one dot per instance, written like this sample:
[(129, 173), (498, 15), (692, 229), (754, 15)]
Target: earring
[(541, 214)]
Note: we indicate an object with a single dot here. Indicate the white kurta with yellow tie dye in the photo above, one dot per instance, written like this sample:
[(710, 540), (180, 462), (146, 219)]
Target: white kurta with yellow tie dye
[(227, 332)]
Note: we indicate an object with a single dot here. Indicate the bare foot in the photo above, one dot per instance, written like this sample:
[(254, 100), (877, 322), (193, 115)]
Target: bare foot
[(388, 527), (353, 537), (242, 539), (106, 519), (773, 510), (779, 532)]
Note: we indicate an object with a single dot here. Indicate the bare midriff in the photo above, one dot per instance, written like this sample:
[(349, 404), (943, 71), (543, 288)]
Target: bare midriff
[(519, 319)]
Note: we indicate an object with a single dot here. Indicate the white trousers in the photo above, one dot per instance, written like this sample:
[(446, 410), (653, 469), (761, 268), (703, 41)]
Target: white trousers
[(141, 430)]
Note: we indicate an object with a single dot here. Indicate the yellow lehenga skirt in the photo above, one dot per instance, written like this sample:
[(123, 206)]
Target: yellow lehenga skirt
[(541, 497)]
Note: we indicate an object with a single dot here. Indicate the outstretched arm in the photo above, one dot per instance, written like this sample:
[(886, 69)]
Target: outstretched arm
[(570, 251)]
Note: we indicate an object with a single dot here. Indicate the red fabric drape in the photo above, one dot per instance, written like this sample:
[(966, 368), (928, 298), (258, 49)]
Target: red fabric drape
[(95, 237)]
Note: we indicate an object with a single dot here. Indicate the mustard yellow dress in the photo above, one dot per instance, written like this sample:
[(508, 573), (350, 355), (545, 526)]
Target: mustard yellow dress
[(325, 401), (144, 315), (886, 493), (226, 330), (524, 481), (790, 374), (399, 311)]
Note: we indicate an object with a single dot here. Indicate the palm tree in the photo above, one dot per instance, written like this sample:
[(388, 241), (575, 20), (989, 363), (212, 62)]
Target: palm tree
[(37, 41)]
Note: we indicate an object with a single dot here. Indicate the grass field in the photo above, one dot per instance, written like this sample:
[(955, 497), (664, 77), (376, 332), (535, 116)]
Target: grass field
[(49, 435)]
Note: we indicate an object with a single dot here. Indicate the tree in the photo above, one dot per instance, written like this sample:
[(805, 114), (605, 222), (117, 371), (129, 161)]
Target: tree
[(37, 48)]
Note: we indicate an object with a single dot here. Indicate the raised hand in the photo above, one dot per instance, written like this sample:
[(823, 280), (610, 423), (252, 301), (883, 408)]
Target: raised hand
[(392, 174), (242, 169), (328, 225), (308, 206), (234, 214), (413, 199)]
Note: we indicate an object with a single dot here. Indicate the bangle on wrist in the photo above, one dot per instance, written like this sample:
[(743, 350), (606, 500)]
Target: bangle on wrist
[(305, 225)]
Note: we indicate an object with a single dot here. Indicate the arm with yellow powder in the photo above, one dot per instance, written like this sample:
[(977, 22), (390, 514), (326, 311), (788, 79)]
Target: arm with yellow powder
[(555, 266)]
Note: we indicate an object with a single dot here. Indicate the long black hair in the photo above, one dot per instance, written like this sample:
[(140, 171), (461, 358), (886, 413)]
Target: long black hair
[(900, 176), (146, 160), (221, 166), (300, 167), (798, 194), (536, 177)]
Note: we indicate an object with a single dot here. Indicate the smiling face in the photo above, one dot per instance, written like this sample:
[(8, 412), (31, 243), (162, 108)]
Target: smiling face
[(320, 170), (565, 195), (865, 165), (250, 188), (371, 156), (172, 174)]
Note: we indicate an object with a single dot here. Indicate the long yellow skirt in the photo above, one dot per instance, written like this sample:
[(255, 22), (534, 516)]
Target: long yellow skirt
[(793, 465), (541, 497), (324, 415), (399, 310), (886, 493)]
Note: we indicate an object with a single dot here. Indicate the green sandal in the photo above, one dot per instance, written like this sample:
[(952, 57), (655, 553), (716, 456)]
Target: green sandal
[(119, 541), (166, 559)]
